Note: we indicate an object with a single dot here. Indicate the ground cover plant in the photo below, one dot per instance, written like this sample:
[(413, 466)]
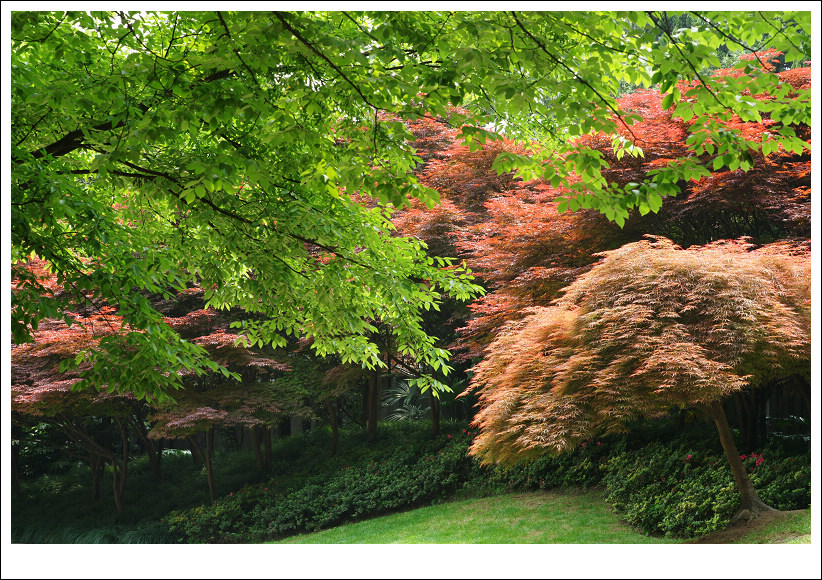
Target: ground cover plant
[(405, 468)]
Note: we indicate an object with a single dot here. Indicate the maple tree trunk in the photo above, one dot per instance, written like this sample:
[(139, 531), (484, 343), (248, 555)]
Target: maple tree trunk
[(435, 413), (209, 437), (258, 453), (120, 469), (373, 400), (196, 450), (268, 453), (206, 457), (153, 448), (334, 427), (15, 478), (97, 464), (751, 506)]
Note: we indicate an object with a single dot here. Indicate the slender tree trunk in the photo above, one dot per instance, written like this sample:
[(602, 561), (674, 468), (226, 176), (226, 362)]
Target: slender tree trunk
[(15, 478), (334, 428), (373, 401), (435, 413), (206, 457), (212, 492), (152, 447), (268, 452), (196, 451), (258, 454), (97, 464), (120, 469), (751, 506)]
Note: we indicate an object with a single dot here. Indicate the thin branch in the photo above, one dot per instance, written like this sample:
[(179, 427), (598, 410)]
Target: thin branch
[(778, 31), (664, 29), (235, 49), (33, 127), (363, 30), (575, 75), (313, 49), (50, 31)]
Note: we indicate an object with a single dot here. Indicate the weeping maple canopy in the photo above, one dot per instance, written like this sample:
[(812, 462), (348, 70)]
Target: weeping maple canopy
[(650, 327)]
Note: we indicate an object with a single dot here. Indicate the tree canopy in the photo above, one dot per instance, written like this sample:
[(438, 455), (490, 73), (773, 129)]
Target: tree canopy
[(649, 328), (261, 155)]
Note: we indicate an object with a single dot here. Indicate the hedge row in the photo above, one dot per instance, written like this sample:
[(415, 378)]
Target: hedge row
[(680, 488)]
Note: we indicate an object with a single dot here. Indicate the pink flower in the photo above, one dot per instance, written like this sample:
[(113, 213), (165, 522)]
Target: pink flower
[(599, 443), (449, 436), (231, 494), (583, 444), (743, 457)]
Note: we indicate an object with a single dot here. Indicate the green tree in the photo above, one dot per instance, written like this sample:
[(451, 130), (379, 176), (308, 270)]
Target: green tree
[(262, 154)]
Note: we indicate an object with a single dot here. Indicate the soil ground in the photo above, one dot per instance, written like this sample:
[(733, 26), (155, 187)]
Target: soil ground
[(737, 531)]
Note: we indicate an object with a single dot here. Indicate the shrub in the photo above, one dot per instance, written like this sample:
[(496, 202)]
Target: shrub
[(676, 490), (413, 474)]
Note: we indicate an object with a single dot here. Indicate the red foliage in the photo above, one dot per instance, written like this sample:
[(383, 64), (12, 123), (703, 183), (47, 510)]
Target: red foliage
[(525, 252)]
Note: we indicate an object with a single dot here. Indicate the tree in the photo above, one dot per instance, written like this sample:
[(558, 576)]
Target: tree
[(515, 239), (650, 327), (238, 151)]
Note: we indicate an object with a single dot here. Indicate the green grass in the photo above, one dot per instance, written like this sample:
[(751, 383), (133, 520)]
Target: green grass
[(569, 517), (792, 529)]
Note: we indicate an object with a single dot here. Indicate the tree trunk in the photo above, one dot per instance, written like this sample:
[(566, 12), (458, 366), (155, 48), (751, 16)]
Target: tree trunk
[(435, 413), (373, 402), (334, 428), (212, 492), (119, 468), (206, 457), (751, 506), (268, 453), (15, 478), (97, 464), (196, 451), (258, 454), (152, 447), (296, 425)]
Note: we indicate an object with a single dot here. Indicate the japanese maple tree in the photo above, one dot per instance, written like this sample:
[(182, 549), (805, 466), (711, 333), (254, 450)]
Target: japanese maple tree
[(650, 327)]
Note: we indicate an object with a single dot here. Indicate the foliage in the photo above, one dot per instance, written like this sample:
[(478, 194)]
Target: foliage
[(402, 464), (244, 151), (405, 402), (678, 491), (525, 247), (407, 476), (650, 327)]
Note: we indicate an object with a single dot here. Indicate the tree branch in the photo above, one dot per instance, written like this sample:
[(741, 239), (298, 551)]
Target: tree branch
[(313, 49), (575, 75)]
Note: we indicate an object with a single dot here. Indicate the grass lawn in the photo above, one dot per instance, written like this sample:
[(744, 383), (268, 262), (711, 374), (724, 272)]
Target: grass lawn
[(794, 528), (549, 517)]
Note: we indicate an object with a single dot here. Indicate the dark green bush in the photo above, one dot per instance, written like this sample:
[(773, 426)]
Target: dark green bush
[(418, 472), (676, 490)]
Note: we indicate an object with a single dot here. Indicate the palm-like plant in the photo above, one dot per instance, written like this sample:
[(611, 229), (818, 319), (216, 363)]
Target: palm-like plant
[(406, 402)]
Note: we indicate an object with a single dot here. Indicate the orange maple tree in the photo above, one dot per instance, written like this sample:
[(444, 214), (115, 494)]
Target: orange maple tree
[(650, 327)]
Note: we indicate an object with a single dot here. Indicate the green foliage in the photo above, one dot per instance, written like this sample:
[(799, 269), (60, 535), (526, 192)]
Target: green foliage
[(413, 474), (242, 151), (405, 402), (403, 467), (678, 490)]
